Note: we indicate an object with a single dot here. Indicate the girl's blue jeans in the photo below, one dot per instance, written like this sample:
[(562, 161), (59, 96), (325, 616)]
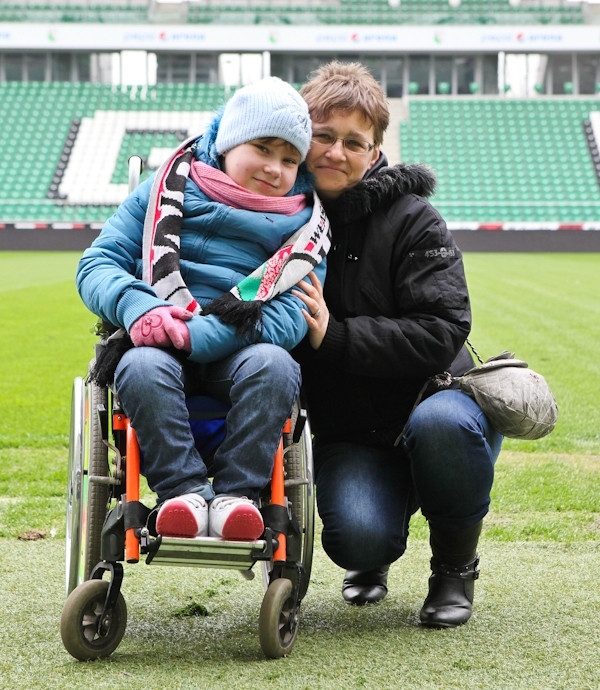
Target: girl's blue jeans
[(261, 382), (444, 466)]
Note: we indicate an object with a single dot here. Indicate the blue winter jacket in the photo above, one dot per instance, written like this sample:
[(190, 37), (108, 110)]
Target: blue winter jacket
[(220, 246)]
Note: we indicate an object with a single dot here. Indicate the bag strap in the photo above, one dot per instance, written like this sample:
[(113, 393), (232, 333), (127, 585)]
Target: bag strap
[(474, 351), (442, 381)]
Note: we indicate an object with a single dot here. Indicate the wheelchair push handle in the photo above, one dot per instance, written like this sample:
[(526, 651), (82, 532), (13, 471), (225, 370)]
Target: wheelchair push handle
[(136, 167)]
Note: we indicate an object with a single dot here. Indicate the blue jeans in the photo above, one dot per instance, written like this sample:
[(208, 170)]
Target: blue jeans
[(445, 466), (261, 382)]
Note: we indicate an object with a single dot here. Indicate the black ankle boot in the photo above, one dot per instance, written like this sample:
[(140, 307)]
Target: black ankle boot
[(454, 571), (362, 587), (450, 599)]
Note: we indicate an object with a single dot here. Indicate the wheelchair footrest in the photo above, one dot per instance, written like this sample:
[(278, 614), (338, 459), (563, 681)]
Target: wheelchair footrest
[(208, 552)]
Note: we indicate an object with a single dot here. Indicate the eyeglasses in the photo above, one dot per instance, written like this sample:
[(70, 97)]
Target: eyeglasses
[(351, 145)]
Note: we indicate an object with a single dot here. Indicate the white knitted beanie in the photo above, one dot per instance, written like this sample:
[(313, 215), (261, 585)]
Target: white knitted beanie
[(268, 108)]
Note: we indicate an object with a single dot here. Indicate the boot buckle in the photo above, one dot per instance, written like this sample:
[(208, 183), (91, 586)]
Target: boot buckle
[(463, 572)]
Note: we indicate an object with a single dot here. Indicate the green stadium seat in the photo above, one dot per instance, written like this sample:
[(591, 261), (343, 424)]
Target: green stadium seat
[(496, 159), (524, 160), (348, 12), (52, 108)]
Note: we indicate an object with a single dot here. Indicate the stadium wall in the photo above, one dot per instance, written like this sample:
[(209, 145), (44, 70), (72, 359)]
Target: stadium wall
[(42, 237), (527, 241)]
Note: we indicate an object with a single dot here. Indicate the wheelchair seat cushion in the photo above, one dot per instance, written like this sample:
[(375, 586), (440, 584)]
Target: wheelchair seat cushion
[(207, 422)]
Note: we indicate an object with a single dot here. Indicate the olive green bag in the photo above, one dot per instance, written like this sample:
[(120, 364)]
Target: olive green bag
[(517, 400)]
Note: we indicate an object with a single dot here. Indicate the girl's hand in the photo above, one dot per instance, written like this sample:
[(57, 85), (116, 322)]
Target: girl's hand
[(162, 327), (316, 312)]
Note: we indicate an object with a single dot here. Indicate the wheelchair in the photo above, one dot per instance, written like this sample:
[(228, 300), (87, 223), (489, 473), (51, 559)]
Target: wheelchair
[(107, 524)]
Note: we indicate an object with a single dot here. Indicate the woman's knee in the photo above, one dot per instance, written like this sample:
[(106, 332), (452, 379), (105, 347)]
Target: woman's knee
[(355, 543), (450, 422), (446, 415), (446, 408), (360, 546), (365, 510)]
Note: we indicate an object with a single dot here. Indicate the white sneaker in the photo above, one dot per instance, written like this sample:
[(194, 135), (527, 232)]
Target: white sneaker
[(234, 518), (184, 516)]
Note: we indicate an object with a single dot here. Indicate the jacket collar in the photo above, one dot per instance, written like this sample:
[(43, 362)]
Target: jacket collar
[(379, 188)]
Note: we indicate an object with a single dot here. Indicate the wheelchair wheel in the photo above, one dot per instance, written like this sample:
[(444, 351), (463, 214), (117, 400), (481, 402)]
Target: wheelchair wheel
[(86, 501), (83, 633), (299, 467), (278, 621)]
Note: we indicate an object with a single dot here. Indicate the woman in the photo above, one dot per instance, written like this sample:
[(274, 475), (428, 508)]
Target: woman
[(394, 311)]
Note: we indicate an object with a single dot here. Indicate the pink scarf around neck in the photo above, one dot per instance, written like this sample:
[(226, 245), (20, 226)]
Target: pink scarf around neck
[(220, 187)]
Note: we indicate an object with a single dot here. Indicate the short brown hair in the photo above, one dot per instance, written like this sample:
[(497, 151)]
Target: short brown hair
[(345, 87)]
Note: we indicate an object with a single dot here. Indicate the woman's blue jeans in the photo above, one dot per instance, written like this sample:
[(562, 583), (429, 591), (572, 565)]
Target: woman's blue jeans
[(261, 382), (445, 466)]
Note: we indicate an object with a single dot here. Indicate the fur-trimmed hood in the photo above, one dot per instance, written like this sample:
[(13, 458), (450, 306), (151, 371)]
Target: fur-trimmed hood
[(380, 187)]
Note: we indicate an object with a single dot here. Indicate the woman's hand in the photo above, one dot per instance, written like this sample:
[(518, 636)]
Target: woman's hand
[(316, 312)]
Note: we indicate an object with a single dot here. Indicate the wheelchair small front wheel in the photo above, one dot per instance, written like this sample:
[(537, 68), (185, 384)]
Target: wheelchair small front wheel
[(84, 635), (278, 621)]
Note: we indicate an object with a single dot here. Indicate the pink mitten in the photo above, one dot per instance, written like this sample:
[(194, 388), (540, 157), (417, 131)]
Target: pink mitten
[(160, 328), (184, 331)]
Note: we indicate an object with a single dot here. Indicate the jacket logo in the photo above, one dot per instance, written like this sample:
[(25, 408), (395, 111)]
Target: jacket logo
[(442, 252)]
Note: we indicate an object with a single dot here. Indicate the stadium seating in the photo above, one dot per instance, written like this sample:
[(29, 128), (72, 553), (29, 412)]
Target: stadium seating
[(497, 159), (107, 11), (506, 160), (362, 12), (366, 12), (36, 160)]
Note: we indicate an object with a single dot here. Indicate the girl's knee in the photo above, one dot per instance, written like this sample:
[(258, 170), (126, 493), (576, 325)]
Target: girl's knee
[(271, 364), (272, 356), (145, 365)]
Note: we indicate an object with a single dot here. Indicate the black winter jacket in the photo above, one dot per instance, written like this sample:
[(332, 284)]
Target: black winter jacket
[(399, 308)]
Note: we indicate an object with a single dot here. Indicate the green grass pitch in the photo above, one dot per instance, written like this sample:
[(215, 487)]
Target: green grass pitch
[(537, 602)]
